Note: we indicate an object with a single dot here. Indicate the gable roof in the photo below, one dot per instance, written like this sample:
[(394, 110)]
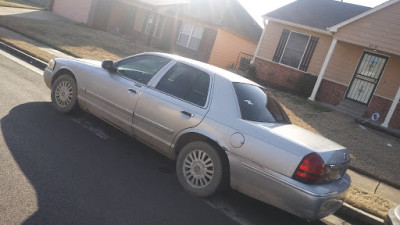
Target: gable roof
[(362, 15), (228, 14), (318, 14)]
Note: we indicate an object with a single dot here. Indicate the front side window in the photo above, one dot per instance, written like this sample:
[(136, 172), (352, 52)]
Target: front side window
[(190, 36), (257, 105), (187, 83), (141, 68)]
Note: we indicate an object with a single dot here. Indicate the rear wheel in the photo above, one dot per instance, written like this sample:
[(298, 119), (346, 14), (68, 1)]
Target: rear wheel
[(201, 169), (64, 94)]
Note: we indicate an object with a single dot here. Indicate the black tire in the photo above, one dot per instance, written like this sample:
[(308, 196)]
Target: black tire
[(201, 169), (64, 94)]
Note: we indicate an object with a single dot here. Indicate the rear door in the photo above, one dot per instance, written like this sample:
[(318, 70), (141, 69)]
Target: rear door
[(177, 102)]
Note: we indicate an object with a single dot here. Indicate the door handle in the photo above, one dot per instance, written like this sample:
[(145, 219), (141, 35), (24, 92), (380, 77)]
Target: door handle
[(187, 113), (132, 90)]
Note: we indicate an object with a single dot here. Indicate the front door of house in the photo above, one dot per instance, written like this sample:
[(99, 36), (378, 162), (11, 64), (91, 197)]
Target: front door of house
[(366, 77)]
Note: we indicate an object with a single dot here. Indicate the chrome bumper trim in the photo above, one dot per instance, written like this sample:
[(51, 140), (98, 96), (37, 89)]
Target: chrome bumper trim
[(280, 180)]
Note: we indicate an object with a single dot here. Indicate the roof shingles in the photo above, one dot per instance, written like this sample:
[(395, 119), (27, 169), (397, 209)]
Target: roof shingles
[(319, 14)]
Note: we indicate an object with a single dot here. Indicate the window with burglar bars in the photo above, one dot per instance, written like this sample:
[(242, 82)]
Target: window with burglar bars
[(295, 49), (190, 36)]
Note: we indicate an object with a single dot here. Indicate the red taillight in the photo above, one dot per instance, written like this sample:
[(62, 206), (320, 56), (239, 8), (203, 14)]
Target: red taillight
[(310, 170)]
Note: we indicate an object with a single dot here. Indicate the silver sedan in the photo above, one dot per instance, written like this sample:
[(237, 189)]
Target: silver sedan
[(222, 129)]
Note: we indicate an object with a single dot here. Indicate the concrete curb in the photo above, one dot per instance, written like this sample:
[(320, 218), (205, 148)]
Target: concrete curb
[(348, 211), (22, 55)]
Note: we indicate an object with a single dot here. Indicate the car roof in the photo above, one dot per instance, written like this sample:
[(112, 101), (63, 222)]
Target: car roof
[(225, 74)]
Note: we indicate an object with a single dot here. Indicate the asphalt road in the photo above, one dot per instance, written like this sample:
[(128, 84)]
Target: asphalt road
[(76, 169)]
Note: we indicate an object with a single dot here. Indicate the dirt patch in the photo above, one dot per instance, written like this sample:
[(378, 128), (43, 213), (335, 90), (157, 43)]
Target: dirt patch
[(75, 39), (368, 202)]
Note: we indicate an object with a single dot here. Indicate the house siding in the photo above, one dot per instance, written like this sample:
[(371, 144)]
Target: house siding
[(390, 80), (76, 10), (379, 30), (273, 34), (227, 47), (343, 65)]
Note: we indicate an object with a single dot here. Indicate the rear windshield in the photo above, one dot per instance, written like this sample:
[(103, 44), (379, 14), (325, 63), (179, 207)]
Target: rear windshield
[(257, 105)]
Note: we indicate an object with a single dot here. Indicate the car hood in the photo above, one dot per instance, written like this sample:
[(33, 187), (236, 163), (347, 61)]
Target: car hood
[(300, 141), (90, 62)]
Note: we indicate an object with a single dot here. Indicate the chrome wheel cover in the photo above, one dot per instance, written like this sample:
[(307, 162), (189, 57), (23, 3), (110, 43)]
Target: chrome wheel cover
[(63, 94), (198, 169)]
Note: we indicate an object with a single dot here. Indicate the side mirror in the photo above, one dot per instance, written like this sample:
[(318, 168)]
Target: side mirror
[(108, 65)]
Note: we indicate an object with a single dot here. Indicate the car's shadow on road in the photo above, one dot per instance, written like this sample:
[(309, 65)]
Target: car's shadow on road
[(86, 172)]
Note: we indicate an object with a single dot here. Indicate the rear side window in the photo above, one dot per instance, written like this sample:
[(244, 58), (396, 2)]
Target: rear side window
[(257, 105), (187, 83)]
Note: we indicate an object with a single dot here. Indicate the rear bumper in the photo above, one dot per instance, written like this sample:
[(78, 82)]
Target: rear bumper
[(306, 201)]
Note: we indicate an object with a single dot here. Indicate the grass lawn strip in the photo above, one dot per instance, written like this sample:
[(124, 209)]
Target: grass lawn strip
[(88, 43), (20, 4), (75, 39), (27, 47)]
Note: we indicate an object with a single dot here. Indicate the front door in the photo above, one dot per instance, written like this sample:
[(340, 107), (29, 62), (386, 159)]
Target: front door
[(366, 77)]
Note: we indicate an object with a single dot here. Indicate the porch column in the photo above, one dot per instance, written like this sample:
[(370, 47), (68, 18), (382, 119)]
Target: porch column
[(322, 72), (259, 42), (391, 110)]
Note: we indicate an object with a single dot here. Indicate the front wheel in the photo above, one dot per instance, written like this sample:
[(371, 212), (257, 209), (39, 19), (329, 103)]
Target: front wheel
[(64, 94), (200, 169)]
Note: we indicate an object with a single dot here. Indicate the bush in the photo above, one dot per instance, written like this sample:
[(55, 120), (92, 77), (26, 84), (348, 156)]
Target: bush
[(305, 84), (251, 71)]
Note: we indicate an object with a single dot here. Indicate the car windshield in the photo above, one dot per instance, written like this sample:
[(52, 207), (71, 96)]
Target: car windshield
[(258, 105)]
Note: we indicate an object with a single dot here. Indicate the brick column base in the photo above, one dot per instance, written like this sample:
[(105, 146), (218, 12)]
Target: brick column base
[(382, 106), (331, 92)]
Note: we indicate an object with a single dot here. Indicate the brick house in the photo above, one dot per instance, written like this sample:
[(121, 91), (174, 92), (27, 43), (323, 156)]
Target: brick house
[(339, 53), (221, 33)]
